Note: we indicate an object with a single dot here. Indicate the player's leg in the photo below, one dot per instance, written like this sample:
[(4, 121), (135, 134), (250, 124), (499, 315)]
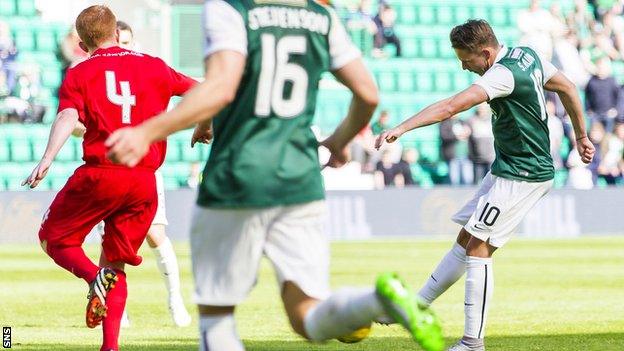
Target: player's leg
[(125, 230), (226, 248), (167, 263), (299, 251), (453, 264), (63, 232), (166, 259), (496, 217)]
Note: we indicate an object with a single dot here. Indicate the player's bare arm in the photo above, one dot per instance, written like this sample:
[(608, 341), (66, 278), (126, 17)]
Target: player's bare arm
[(356, 77), (79, 130), (224, 71), (61, 129), (572, 104), (437, 112)]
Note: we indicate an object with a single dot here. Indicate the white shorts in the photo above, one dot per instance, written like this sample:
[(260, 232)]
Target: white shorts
[(498, 207), (227, 245), (161, 213)]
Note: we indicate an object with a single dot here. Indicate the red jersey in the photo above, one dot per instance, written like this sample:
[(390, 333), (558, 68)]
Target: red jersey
[(116, 88)]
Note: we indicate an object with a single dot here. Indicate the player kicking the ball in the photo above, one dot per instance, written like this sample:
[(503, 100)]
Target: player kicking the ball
[(262, 190), (157, 239), (113, 88), (512, 82)]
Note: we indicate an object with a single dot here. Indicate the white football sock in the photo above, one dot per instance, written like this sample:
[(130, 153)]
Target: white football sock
[(479, 288), (218, 333), (448, 271), (168, 266), (344, 312)]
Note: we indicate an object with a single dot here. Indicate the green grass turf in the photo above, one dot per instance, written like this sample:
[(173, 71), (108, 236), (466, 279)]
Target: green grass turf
[(560, 295)]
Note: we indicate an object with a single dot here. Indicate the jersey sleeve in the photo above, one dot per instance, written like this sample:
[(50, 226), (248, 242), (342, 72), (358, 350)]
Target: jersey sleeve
[(341, 49), (497, 82), (224, 28), (70, 95), (547, 67), (179, 82)]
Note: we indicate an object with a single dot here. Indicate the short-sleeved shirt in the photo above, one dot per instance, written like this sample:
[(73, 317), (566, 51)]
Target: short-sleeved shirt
[(116, 88), (264, 152), (515, 89)]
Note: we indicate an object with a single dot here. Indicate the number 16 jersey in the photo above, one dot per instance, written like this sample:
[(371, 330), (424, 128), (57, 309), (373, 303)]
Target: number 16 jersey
[(116, 88), (264, 152)]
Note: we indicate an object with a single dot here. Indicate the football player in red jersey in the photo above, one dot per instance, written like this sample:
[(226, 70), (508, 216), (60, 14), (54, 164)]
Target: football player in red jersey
[(112, 89)]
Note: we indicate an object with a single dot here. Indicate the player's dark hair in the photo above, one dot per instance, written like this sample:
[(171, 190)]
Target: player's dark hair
[(96, 24), (121, 25), (473, 35)]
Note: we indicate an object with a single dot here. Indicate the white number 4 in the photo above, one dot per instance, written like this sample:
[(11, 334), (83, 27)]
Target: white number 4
[(125, 100)]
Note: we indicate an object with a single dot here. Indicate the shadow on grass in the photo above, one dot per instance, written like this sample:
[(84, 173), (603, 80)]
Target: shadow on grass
[(567, 342)]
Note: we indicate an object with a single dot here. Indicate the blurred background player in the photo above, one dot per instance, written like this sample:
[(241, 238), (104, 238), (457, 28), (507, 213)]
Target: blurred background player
[(512, 82), (157, 238), (262, 190), (119, 93)]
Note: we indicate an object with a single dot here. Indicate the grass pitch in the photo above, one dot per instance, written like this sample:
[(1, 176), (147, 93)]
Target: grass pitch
[(560, 295)]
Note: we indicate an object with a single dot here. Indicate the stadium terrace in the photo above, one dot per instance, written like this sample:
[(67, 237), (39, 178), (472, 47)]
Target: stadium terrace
[(275, 16)]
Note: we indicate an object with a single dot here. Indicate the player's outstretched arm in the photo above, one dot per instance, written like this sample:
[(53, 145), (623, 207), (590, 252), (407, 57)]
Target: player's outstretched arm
[(356, 77), (61, 129), (435, 113), (572, 103), (224, 71)]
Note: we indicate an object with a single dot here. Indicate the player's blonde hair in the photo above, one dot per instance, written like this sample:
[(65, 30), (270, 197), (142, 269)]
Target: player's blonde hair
[(95, 25), (473, 36)]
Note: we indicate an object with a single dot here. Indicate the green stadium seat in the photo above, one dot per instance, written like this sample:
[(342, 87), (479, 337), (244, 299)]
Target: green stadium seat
[(428, 47), (5, 152), (462, 14), (499, 16), (406, 82), (26, 8), (407, 14), (20, 145), (426, 15), (51, 78), (24, 40), (409, 47), (7, 8), (480, 12), (445, 15), (45, 38), (385, 81), (446, 50), (443, 81), (424, 82)]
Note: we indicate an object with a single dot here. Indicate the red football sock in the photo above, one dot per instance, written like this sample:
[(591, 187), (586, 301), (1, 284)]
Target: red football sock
[(115, 303), (74, 260)]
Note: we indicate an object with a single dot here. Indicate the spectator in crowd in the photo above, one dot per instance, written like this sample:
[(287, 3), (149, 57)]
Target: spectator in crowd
[(360, 16), (382, 123), (581, 20), (481, 142), (386, 172), (362, 148), (8, 53), (601, 94), (596, 136), (579, 174), (556, 134), (386, 33), (536, 29), (408, 164), (70, 52), (454, 134), (611, 167)]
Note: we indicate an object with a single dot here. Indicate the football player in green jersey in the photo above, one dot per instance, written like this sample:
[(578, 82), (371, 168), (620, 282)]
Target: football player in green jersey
[(512, 82), (262, 191)]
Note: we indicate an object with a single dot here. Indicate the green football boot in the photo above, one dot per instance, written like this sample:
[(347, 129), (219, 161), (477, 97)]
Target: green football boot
[(405, 308)]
